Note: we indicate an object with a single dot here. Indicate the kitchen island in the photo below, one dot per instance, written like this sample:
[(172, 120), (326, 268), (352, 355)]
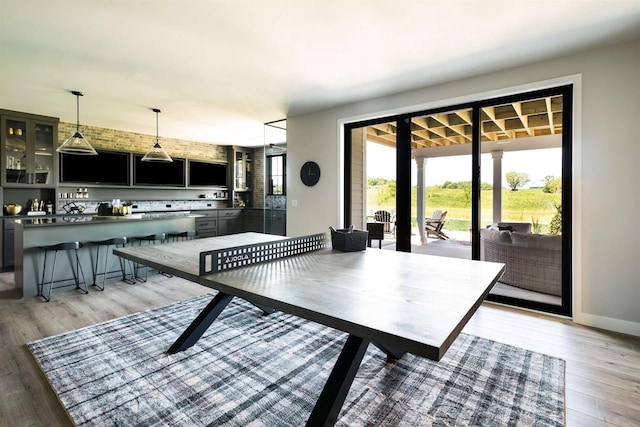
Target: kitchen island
[(31, 234)]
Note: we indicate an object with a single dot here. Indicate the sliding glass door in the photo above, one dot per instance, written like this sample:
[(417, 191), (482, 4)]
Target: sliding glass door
[(487, 180), (522, 153)]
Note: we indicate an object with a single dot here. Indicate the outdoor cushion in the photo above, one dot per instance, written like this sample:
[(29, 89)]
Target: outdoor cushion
[(496, 235), (546, 241)]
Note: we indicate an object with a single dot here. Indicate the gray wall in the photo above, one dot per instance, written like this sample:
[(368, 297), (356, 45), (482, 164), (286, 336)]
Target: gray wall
[(606, 241)]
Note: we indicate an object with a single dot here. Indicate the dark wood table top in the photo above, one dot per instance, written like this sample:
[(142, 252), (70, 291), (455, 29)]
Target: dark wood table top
[(412, 302)]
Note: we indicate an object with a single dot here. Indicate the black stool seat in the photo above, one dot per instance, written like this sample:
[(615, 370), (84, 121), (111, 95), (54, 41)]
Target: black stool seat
[(183, 235), (115, 241), (152, 237), (62, 246), (76, 271), (112, 241)]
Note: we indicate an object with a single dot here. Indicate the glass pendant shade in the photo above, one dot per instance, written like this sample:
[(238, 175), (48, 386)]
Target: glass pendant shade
[(77, 143), (157, 153)]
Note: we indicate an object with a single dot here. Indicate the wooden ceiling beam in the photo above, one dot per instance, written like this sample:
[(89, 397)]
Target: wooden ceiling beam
[(550, 115), (464, 115), (491, 113), (421, 122), (517, 107)]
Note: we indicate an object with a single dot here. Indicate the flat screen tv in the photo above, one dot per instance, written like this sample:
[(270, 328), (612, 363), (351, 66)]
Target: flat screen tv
[(203, 174), (107, 168), (158, 173)]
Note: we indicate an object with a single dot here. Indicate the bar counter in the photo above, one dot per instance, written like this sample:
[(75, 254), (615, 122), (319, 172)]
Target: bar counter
[(31, 234)]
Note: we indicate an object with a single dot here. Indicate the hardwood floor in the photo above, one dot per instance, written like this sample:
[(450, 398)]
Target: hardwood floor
[(602, 370)]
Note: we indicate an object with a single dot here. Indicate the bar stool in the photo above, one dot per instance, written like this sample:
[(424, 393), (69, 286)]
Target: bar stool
[(150, 239), (183, 235), (109, 242), (67, 246)]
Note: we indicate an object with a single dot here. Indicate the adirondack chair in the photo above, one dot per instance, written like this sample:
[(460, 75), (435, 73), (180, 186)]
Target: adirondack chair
[(383, 216), (433, 226)]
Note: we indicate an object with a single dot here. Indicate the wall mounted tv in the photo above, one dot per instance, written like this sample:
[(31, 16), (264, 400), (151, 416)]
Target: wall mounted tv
[(203, 174), (107, 168), (158, 173)]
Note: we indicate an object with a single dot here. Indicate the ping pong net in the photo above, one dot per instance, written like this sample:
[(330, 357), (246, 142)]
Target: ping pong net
[(225, 259)]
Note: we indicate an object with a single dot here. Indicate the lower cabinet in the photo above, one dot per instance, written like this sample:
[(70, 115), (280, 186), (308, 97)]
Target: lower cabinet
[(254, 220), (230, 221), (277, 222), (207, 226)]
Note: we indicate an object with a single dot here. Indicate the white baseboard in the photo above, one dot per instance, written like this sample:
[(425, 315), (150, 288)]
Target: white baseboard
[(608, 323)]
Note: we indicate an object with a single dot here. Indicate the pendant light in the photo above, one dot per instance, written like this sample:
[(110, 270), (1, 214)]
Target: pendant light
[(76, 143), (157, 153)]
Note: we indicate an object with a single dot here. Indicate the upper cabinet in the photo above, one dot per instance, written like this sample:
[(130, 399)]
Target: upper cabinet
[(28, 144), (242, 178)]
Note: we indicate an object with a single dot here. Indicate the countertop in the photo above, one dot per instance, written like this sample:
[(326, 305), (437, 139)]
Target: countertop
[(66, 219), (53, 220)]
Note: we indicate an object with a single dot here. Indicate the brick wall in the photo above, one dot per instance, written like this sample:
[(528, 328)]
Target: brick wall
[(258, 177), (116, 140)]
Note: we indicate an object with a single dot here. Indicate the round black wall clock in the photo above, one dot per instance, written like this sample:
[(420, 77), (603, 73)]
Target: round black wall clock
[(310, 173)]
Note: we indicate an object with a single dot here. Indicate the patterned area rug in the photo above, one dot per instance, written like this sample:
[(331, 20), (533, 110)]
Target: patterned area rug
[(256, 370)]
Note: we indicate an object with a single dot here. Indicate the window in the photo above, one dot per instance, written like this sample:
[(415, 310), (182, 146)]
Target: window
[(276, 175)]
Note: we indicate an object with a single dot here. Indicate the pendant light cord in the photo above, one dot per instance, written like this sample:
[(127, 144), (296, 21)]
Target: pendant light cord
[(157, 111), (78, 94)]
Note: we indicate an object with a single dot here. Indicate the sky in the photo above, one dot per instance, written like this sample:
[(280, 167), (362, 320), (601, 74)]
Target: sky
[(537, 163)]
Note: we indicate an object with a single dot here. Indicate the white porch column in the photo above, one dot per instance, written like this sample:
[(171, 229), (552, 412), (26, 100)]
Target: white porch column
[(420, 163), (497, 185)]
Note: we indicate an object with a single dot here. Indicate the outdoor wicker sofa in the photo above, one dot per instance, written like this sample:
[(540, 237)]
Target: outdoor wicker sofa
[(533, 261)]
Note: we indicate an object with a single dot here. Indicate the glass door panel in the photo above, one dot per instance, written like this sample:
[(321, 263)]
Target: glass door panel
[(372, 182), (522, 152), (441, 183), (15, 144), (379, 150), (43, 151)]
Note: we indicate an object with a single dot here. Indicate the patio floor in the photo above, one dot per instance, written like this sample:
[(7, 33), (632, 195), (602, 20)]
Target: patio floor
[(459, 246)]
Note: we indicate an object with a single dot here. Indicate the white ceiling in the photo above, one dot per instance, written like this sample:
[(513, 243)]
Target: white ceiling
[(219, 69)]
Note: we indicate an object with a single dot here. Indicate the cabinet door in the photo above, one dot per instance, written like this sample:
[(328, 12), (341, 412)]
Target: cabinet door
[(28, 146), (207, 227), (254, 221), (242, 176), (229, 221), (277, 223), (15, 147), (43, 153)]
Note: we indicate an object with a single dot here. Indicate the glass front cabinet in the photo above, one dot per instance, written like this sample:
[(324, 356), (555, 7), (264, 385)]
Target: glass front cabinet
[(28, 143), (242, 176)]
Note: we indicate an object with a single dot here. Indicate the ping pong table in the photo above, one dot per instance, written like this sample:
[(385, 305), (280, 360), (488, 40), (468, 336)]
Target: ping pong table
[(400, 302)]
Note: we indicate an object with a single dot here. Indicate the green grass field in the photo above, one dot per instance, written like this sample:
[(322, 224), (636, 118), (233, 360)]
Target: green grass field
[(526, 205)]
